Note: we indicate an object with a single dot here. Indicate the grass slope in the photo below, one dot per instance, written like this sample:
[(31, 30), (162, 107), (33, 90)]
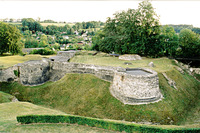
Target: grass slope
[(87, 95), (8, 122), (4, 97)]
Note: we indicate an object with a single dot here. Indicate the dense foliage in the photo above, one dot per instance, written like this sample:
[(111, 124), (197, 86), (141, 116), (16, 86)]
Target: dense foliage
[(139, 32), (180, 27), (189, 43), (45, 51), (9, 39), (31, 24), (132, 31)]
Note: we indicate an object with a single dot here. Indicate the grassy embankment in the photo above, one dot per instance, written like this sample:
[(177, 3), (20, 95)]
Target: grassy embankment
[(8, 122), (5, 97), (87, 95)]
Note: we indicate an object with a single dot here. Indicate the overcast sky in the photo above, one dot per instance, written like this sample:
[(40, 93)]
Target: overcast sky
[(170, 12)]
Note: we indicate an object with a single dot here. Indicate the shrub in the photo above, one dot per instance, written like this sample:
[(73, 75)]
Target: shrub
[(16, 73), (45, 51), (94, 122)]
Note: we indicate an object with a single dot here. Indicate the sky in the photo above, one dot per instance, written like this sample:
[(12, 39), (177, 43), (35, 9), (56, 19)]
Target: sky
[(170, 12)]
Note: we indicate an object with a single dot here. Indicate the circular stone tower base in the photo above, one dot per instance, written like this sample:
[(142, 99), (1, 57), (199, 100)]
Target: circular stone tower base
[(136, 86)]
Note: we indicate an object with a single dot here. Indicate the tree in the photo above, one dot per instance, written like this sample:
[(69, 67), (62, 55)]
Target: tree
[(43, 41), (169, 40), (132, 31), (9, 39), (31, 24), (189, 43), (148, 29), (11, 20)]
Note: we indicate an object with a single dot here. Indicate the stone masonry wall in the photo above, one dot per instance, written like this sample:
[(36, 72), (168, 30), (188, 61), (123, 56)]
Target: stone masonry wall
[(136, 89), (59, 69), (68, 54), (34, 72), (128, 88), (7, 75)]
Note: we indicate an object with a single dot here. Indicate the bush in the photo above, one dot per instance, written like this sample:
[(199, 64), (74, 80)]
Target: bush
[(45, 51), (16, 73), (70, 49), (94, 122)]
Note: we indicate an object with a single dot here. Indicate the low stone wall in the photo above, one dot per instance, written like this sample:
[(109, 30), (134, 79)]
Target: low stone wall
[(28, 50), (38, 72), (68, 54), (136, 89), (130, 57), (7, 74), (103, 72)]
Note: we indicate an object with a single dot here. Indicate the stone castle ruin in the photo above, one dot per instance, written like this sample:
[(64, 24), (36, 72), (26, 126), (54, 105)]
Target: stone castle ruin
[(130, 86)]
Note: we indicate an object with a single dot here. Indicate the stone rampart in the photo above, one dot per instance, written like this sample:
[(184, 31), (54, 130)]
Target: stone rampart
[(68, 54), (59, 69), (128, 86), (34, 72), (136, 89)]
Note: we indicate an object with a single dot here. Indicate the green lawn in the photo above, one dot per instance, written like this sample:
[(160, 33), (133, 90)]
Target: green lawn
[(8, 61), (8, 122), (161, 64)]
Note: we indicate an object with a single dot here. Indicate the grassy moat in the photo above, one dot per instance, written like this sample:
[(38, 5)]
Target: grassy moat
[(86, 95)]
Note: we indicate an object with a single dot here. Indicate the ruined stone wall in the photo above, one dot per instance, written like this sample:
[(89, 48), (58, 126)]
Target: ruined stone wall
[(130, 57), (67, 54), (34, 72), (136, 89), (59, 69), (7, 74), (128, 88)]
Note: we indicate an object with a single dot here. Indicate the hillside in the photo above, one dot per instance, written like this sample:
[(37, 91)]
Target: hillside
[(4, 97), (8, 122), (87, 95)]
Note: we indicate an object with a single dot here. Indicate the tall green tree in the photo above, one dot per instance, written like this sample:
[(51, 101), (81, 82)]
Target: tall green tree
[(148, 29), (31, 24), (133, 31), (170, 41), (10, 39), (189, 43), (43, 41)]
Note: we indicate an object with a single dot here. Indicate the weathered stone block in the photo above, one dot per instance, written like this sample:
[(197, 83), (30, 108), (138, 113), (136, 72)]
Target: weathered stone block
[(130, 57)]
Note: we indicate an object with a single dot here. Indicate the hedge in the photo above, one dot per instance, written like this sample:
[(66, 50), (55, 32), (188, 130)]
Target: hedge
[(100, 123)]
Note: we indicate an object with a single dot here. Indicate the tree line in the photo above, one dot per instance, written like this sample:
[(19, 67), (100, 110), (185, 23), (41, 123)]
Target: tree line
[(178, 28), (138, 31), (34, 26)]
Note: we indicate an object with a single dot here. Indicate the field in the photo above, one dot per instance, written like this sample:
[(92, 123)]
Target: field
[(8, 61), (56, 24), (46, 24), (86, 95), (103, 59)]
